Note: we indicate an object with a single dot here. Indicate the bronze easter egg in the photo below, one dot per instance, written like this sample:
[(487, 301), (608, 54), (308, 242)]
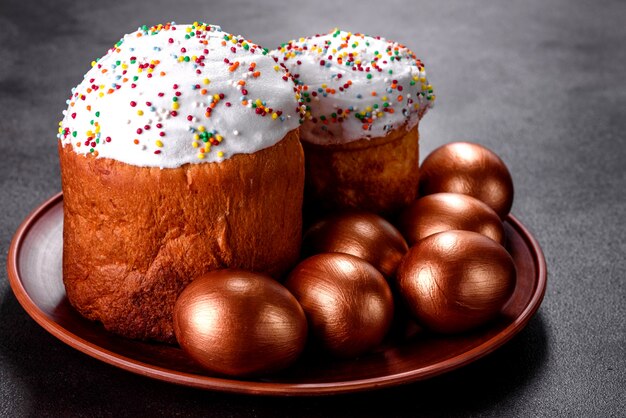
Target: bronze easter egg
[(455, 281), (239, 323), (449, 211), (362, 234), (348, 303), (468, 168)]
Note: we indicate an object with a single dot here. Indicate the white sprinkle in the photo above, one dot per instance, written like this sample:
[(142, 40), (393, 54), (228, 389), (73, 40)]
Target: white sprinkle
[(235, 132)]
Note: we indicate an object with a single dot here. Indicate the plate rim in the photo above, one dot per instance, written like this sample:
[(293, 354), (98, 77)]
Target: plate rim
[(260, 387)]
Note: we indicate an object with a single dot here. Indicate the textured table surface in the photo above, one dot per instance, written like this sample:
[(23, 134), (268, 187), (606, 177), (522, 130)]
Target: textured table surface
[(541, 82)]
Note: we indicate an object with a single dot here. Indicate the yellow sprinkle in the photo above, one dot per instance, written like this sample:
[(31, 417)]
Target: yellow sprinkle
[(201, 156), (140, 112), (324, 85), (219, 138), (159, 143), (196, 137), (101, 94), (194, 144), (181, 59), (206, 81), (385, 98), (201, 128), (276, 68), (175, 105), (274, 115), (220, 154), (216, 97), (93, 63)]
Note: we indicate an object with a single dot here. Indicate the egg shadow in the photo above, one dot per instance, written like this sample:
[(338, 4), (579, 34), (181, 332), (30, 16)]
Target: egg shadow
[(53, 376)]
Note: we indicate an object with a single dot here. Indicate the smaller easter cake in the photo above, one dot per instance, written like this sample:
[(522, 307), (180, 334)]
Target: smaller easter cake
[(364, 98)]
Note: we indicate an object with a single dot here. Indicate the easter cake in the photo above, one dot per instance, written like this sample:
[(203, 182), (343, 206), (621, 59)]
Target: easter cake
[(364, 98), (180, 154)]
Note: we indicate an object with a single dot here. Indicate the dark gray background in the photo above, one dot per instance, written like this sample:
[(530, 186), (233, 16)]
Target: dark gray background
[(540, 82)]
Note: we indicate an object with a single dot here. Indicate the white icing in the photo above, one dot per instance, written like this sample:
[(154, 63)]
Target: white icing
[(98, 109), (314, 63)]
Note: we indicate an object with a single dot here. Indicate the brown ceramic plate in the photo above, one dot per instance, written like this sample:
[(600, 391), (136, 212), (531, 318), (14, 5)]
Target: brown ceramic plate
[(34, 267)]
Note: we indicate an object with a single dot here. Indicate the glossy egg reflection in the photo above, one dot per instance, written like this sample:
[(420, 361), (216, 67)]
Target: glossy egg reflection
[(362, 234), (238, 323), (467, 168), (348, 303), (454, 281), (449, 211)]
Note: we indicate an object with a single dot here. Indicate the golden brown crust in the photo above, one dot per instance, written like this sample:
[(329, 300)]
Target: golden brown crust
[(134, 237), (379, 175)]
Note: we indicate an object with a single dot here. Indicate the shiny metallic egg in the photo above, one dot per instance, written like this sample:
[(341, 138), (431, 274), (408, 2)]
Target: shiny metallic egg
[(468, 168), (348, 303), (449, 211), (362, 234), (239, 323), (455, 281)]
